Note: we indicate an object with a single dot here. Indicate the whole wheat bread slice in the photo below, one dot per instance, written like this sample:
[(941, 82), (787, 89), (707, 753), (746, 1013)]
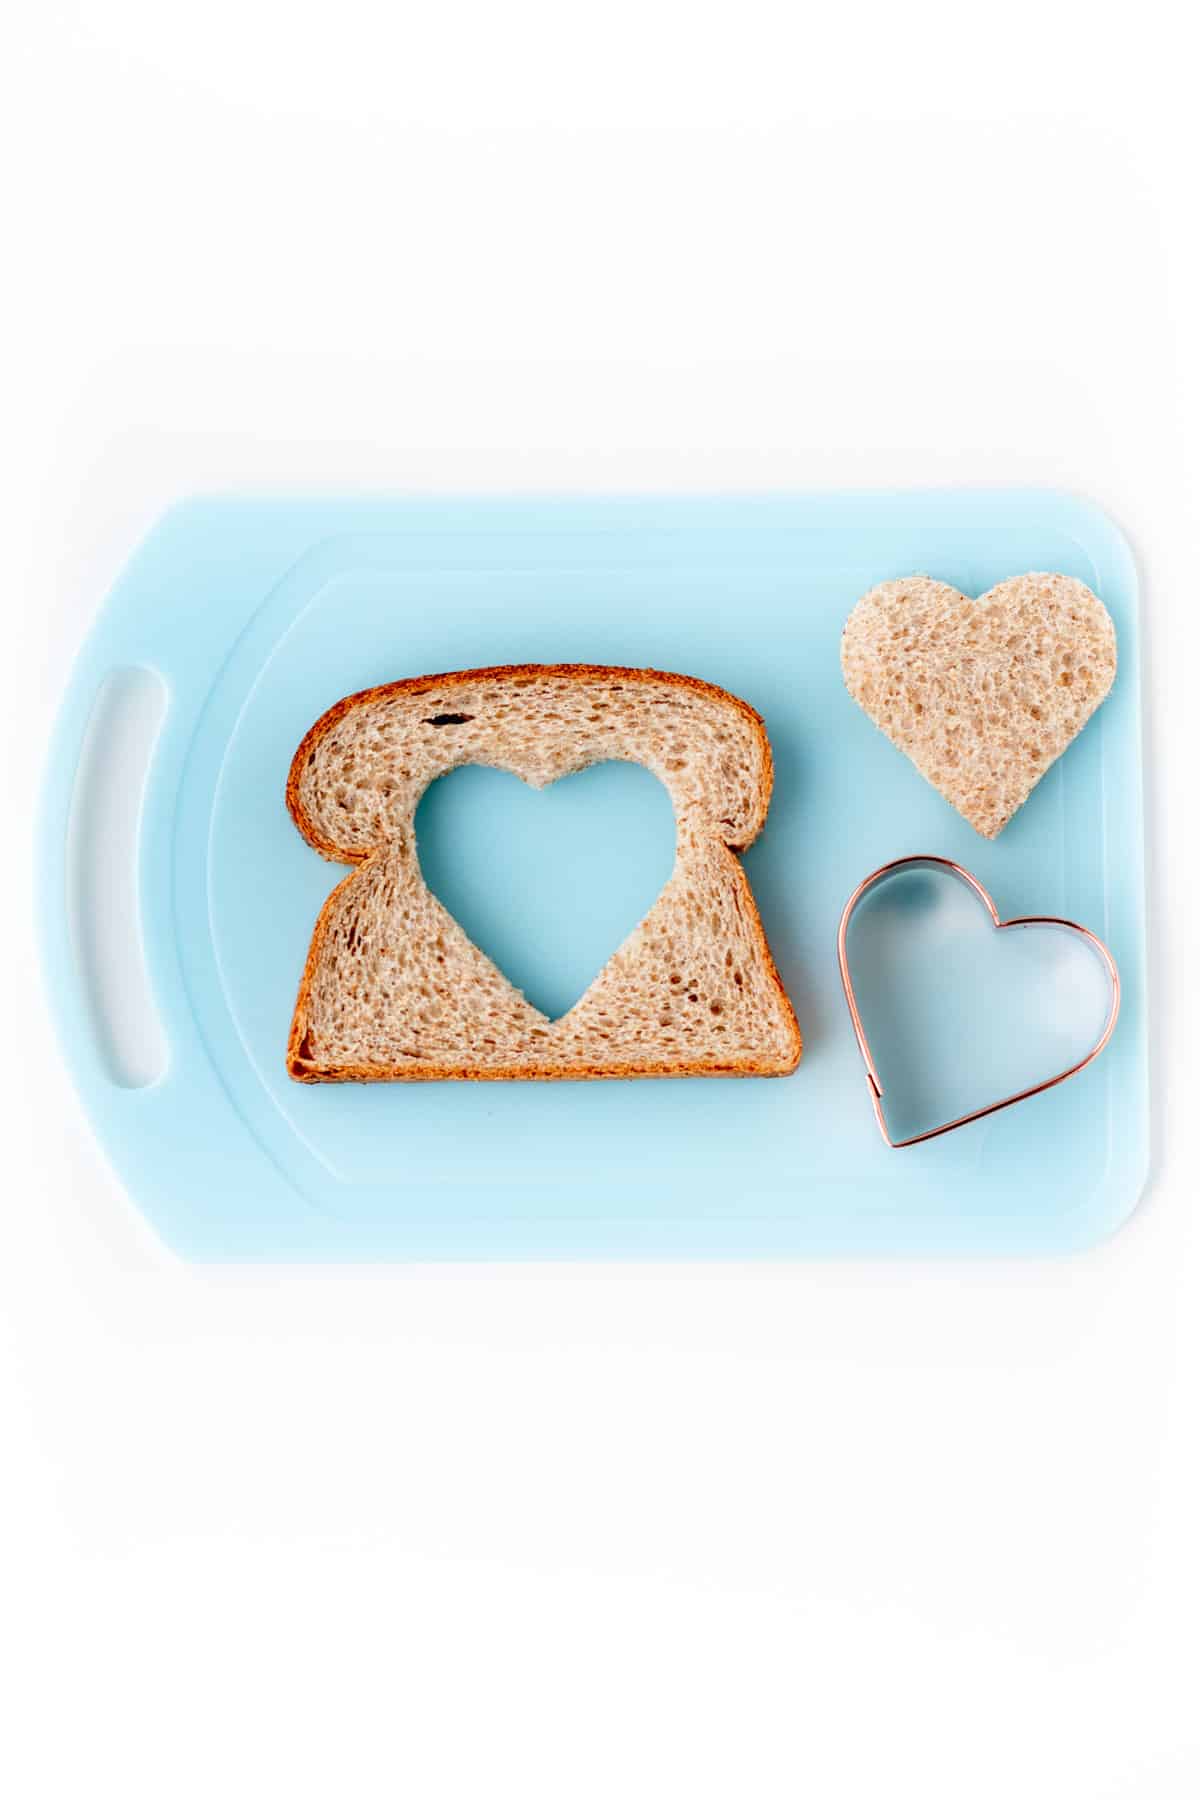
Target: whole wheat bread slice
[(394, 990), (983, 695)]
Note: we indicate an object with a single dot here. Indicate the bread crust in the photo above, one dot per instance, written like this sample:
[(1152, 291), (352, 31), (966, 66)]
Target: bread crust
[(422, 684), (306, 1069)]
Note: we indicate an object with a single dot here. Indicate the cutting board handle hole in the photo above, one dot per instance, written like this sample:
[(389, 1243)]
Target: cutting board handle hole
[(102, 875)]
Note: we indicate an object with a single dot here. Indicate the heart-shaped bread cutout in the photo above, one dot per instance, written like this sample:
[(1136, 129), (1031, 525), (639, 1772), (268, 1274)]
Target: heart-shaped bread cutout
[(943, 865), (983, 695)]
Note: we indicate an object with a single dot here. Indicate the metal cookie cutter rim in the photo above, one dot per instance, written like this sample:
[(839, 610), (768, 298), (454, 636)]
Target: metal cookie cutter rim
[(948, 867)]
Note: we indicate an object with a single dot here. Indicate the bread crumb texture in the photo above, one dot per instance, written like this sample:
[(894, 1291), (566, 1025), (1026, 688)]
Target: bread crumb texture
[(983, 695), (394, 989)]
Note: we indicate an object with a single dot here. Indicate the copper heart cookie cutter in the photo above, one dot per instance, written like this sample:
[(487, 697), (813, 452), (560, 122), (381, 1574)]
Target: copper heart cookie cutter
[(874, 1085)]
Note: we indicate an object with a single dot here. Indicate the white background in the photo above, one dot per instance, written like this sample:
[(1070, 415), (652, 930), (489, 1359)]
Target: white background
[(830, 1530)]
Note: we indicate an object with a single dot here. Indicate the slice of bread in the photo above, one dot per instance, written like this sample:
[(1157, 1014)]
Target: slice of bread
[(394, 990), (983, 695)]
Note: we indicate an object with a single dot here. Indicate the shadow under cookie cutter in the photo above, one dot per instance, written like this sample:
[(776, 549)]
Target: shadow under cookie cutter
[(946, 866)]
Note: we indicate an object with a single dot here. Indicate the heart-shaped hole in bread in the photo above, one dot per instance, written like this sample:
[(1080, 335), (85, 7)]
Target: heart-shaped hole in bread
[(547, 882)]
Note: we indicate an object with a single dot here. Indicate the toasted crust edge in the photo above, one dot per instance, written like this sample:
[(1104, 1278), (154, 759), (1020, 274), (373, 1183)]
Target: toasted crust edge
[(420, 684)]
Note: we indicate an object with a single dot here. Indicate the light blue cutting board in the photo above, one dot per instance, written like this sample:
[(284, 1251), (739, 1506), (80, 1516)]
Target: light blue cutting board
[(258, 614)]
